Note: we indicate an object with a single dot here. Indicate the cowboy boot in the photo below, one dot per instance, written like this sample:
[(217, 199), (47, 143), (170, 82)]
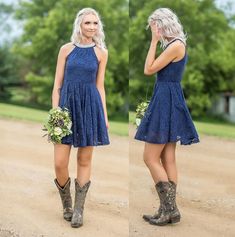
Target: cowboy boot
[(176, 212), (66, 199), (158, 213), (80, 196), (170, 213)]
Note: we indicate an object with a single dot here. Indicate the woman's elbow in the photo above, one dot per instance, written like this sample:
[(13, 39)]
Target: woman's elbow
[(147, 72)]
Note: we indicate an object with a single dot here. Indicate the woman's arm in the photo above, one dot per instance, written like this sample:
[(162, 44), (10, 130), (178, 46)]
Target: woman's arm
[(103, 55), (59, 75), (154, 63)]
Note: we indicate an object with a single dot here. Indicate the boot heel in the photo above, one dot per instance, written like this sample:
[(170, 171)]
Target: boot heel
[(175, 219)]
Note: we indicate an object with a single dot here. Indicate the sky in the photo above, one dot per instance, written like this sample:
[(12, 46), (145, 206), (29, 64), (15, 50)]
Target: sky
[(221, 3)]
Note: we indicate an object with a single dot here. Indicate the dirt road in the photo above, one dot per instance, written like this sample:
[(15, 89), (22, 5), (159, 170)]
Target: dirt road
[(30, 205), (206, 190), (29, 202)]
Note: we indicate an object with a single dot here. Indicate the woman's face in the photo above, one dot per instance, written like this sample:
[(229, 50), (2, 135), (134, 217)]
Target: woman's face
[(89, 25)]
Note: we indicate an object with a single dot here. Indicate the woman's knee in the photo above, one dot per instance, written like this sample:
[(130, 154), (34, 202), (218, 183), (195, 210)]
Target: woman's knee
[(149, 159), (152, 153), (61, 156), (168, 160), (84, 161), (60, 164)]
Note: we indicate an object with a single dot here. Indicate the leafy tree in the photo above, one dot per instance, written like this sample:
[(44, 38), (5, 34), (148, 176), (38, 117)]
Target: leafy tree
[(9, 67), (210, 69), (48, 25)]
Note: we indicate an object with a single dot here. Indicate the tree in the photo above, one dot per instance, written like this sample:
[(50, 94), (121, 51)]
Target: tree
[(48, 25), (210, 49), (9, 67)]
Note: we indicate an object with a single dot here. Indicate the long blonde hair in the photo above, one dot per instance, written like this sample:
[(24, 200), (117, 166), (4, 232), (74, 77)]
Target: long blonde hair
[(169, 25), (77, 32)]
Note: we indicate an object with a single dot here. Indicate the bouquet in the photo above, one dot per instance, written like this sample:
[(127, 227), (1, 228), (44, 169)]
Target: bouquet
[(140, 111), (58, 125)]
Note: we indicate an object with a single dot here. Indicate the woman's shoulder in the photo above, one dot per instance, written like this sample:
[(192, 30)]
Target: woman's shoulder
[(176, 44), (177, 47), (102, 53), (66, 48)]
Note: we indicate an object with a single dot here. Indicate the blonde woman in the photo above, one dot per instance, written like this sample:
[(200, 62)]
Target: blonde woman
[(167, 119), (79, 86)]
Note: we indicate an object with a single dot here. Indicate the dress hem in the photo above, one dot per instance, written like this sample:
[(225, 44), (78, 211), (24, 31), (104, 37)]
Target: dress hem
[(76, 146), (188, 142)]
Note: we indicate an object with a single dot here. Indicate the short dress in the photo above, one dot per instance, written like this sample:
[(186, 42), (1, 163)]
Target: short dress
[(167, 118), (81, 97)]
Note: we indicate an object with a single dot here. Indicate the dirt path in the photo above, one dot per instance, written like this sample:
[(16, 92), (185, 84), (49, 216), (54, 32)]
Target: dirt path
[(206, 190), (29, 202), (30, 205)]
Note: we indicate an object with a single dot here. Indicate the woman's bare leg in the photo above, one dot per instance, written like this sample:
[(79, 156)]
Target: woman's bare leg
[(61, 162), (84, 158), (152, 154), (169, 161)]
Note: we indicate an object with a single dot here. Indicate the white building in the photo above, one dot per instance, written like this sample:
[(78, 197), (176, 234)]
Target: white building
[(225, 106)]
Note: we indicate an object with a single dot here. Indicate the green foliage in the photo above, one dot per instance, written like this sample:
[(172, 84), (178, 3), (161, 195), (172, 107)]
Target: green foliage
[(8, 71), (39, 88), (48, 25), (211, 64)]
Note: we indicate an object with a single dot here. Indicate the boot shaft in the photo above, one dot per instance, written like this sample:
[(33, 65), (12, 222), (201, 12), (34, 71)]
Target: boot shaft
[(166, 194), (65, 193), (66, 199), (80, 194)]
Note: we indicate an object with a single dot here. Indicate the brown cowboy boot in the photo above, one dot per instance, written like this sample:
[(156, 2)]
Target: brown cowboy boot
[(159, 211), (66, 199), (177, 212), (80, 196), (170, 212)]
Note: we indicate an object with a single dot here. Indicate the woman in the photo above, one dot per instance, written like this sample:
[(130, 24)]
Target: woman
[(79, 86), (167, 118)]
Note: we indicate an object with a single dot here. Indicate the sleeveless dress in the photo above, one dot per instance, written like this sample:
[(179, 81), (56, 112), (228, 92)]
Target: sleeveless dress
[(80, 95), (167, 118)]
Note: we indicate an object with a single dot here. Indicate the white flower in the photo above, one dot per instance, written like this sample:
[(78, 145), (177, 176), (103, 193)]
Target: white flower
[(137, 121), (57, 131), (69, 125)]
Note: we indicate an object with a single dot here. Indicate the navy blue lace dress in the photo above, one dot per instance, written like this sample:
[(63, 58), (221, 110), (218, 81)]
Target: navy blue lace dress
[(167, 118), (80, 95)]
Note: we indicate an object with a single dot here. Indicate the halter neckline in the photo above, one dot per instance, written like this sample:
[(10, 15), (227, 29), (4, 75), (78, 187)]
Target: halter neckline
[(174, 39), (85, 45)]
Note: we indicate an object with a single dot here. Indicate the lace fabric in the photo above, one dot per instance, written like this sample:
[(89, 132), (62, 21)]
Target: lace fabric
[(80, 95), (167, 118)]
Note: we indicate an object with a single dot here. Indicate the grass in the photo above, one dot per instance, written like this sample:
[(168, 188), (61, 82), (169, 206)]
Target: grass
[(219, 129), (40, 116), (208, 126)]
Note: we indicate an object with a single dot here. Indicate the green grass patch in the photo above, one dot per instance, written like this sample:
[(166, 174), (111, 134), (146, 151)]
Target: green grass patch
[(226, 130), (22, 113), (132, 117), (207, 125), (40, 116)]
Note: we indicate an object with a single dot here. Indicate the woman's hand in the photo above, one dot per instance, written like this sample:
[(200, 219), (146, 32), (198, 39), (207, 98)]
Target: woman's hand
[(107, 123), (156, 36)]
